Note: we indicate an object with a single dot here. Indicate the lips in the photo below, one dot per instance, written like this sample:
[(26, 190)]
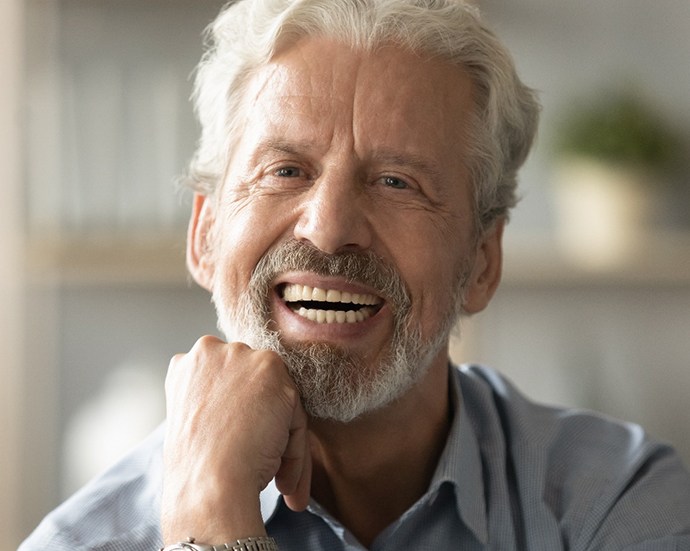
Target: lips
[(329, 305)]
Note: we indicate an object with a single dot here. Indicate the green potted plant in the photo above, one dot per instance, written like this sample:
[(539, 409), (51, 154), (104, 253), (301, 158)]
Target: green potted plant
[(613, 156), (620, 129)]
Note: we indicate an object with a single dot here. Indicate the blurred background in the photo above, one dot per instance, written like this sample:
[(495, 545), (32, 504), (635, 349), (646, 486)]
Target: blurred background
[(95, 129)]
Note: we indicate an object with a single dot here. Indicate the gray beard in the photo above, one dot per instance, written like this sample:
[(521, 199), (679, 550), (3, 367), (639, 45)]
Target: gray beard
[(334, 383)]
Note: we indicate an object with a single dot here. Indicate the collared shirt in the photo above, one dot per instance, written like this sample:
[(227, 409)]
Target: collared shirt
[(514, 475)]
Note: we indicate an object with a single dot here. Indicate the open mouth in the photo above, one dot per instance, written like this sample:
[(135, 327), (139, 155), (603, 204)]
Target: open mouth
[(329, 305)]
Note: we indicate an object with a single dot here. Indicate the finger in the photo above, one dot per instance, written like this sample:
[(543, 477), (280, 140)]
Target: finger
[(293, 456), (294, 475), (298, 499)]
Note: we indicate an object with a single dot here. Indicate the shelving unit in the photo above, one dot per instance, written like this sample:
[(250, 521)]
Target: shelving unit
[(109, 260), (105, 231), (662, 259), (108, 129), (11, 273), (529, 261)]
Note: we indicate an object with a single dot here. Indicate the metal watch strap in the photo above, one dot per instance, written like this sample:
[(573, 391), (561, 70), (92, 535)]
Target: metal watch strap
[(262, 543)]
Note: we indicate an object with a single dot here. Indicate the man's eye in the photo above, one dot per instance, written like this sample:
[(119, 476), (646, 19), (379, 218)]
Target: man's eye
[(288, 172), (396, 183)]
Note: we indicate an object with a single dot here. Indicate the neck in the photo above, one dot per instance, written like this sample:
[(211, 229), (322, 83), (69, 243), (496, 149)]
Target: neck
[(369, 472)]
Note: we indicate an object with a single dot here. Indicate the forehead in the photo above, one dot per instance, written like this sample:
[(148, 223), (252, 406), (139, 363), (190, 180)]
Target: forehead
[(387, 98)]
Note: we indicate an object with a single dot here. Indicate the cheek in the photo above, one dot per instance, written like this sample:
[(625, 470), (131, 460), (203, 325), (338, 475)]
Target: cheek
[(247, 231), (434, 291), (430, 264), (426, 272)]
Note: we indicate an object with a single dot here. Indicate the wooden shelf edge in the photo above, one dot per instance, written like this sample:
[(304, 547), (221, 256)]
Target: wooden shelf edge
[(529, 260), (659, 259), (107, 260)]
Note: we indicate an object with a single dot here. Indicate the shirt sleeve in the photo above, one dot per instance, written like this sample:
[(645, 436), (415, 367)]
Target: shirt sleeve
[(117, 511), (652, 513)]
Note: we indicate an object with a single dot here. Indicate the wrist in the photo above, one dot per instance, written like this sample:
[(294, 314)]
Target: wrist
[(262, 543), (210, 515)]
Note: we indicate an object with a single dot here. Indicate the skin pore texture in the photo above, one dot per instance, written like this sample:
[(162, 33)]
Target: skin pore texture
[(351, 156)]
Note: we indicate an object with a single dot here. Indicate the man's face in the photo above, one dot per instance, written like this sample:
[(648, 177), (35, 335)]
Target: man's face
[(352, 163)]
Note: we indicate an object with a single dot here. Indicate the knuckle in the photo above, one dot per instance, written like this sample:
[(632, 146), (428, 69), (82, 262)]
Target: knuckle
[(173, 367), (268, 358), (270, 367), (290, 395), (176, 360), (237, 349), (206, 342)]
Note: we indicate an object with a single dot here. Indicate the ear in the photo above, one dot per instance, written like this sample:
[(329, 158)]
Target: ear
[(199, 242), (486, 273)]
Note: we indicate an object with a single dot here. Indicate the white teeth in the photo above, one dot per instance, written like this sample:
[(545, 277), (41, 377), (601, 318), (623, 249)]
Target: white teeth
[(319, 294), (334, 316), (333, 296), (295, 293)]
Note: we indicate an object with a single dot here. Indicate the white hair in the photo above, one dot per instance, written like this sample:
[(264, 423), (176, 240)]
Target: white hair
[(248, 33)]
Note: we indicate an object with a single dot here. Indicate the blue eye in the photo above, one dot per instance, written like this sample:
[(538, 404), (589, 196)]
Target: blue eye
[(288, 172), (394, 182)]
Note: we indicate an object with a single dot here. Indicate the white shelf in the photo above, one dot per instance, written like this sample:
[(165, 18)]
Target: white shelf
[(108, 260), (659, 259), (530, 261)]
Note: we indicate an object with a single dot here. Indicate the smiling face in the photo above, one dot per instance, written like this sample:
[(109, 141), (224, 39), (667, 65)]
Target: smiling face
[(354, 164)]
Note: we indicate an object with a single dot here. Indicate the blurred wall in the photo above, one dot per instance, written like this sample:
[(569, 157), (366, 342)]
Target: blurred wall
[(569, 51), (615, 341), (585, 341), (11, 270), (109, 129)]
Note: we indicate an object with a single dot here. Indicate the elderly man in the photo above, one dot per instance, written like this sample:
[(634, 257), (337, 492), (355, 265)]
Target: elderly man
[(355, 171)]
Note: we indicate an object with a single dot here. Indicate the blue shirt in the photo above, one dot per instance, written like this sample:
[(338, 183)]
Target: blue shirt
[(514, 475)]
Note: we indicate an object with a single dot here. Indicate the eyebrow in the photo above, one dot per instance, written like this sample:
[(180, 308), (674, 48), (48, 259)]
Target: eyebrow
[(411, 160), (383, 156)]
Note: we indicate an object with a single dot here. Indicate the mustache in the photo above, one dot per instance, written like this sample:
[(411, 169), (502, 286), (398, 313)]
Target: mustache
[(358, 267)]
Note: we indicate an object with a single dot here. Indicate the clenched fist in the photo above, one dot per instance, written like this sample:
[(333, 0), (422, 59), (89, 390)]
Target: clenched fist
[(234, 422)]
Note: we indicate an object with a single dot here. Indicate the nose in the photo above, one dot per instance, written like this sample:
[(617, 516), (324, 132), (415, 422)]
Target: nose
[(334, 215)]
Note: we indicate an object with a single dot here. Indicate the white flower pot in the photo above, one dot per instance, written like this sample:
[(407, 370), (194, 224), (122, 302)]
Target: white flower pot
[(604, 212)]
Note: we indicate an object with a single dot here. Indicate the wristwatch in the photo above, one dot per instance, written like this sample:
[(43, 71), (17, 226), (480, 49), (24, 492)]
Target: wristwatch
[(262, 543)]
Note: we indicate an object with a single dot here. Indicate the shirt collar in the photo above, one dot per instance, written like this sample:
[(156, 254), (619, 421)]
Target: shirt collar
[(460, 465)]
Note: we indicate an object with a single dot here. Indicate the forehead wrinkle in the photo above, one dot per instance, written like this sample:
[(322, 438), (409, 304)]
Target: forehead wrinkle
[(283, 145)]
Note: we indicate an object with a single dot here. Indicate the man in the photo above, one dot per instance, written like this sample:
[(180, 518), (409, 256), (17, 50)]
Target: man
[(354, 175)]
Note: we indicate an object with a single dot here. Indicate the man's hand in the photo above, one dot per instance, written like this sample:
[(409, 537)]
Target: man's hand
[(234, 422)]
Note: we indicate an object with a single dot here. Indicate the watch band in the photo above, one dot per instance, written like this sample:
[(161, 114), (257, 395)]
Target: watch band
[(262, 543)]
